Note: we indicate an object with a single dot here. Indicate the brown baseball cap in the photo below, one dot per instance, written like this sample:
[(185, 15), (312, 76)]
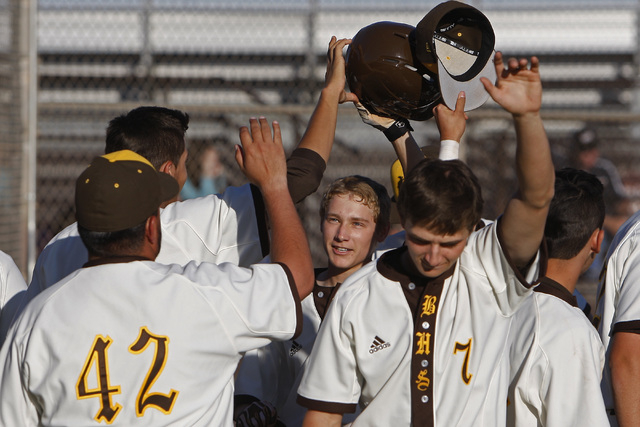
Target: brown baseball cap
[(120, 190), (460, 40)]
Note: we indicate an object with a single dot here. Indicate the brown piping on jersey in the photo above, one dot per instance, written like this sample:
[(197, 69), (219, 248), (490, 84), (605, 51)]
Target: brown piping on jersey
[(551, 287), (305, 168), (323, 295), (632, 326), (331, 407), (423, 297), (261, 218), (296, 298)]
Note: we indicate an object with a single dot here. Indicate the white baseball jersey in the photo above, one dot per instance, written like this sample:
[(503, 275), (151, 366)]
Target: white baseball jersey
[(618, 301), (418, 351), (273, 373), (12, 290), (225, 227), (559, 382), (141, 343)]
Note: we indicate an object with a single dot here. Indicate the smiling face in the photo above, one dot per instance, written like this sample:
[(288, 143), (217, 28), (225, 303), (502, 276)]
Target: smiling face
[(348, 234), (433, 254)]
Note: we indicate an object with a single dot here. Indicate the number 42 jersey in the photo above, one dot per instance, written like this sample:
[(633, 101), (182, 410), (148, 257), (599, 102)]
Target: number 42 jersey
[(141, 343)]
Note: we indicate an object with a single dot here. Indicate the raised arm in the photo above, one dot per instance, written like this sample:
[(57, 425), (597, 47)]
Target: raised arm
[(519, 91), (321, 130), (398, 132), (451, 125), (307, 163), (261, 158)]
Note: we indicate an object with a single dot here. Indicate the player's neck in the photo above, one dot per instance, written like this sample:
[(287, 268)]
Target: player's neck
[(565, 272), (334, 275)]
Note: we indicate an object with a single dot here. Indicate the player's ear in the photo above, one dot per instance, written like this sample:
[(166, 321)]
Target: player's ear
[(596, 240), (152, 230), (168, 167)]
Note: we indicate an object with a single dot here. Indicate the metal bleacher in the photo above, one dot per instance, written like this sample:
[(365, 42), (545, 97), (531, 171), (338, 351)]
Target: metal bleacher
[(241, 62)]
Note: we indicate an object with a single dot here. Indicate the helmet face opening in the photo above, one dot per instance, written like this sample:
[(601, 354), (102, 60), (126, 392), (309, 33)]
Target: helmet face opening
[(383, 72)]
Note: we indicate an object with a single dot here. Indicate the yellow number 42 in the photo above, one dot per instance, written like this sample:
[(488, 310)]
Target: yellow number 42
[(98, 356)]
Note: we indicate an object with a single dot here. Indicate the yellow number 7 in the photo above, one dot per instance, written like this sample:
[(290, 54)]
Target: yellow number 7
[(466, 376)]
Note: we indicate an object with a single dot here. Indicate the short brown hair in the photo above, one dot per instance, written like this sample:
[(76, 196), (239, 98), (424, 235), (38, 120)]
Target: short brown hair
[(156, 133), (442, 195), (367, 191)]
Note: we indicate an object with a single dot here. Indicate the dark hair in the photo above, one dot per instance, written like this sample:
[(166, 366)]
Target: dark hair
[(444, 196), (106, 244), (156, 133), (368, 192), (576, 211)]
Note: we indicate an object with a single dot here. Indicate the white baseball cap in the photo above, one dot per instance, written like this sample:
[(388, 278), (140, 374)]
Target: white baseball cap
[(460, 40)]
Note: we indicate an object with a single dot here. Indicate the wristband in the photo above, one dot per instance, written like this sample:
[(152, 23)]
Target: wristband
[(397, 129), (449, 149)]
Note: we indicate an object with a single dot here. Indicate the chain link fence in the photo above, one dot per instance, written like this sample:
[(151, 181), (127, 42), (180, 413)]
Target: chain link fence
[(16, 131), (223, 62)]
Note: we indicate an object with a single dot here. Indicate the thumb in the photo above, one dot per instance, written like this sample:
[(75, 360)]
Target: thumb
[(488, 85), (239, 154)]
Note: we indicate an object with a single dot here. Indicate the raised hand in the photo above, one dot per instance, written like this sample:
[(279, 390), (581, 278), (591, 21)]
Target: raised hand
[(518, 89), (335, 77), (261, 157), (451, 123)]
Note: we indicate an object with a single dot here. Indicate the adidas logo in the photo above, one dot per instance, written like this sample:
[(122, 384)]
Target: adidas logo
[(378, 344), (295, 347)]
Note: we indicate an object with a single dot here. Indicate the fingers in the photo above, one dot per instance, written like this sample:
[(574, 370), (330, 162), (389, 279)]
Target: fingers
[(335, 47), (488, 85), (265, 130), (460, 102), (499, 64), (330, 49), (277, 135), (258, 132), (535, 64), (239, 154), (515, 65)]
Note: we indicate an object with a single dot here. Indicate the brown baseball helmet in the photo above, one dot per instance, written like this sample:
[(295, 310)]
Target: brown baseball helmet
[(383, 71)]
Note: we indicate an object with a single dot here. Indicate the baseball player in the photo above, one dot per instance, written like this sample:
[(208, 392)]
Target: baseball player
[(418, 338), (12, 290), (617, 319), (559, 382), (354, 215), (129, 341), (234, 230)]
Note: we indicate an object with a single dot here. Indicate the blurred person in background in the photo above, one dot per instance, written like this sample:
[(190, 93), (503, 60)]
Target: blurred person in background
[(587, 156), (205, 171)]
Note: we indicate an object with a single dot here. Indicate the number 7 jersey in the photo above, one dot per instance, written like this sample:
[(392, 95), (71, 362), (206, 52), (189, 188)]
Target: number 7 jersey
[(413, 351), (141, 343)]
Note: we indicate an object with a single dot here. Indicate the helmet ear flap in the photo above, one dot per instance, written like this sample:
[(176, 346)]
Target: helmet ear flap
[(383, 71)]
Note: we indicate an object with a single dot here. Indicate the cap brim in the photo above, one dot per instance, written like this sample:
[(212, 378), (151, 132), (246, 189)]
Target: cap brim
[(475, 93)]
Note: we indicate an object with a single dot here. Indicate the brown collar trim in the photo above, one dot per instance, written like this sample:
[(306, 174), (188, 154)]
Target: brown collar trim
[(551, 287), (390, 266)]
